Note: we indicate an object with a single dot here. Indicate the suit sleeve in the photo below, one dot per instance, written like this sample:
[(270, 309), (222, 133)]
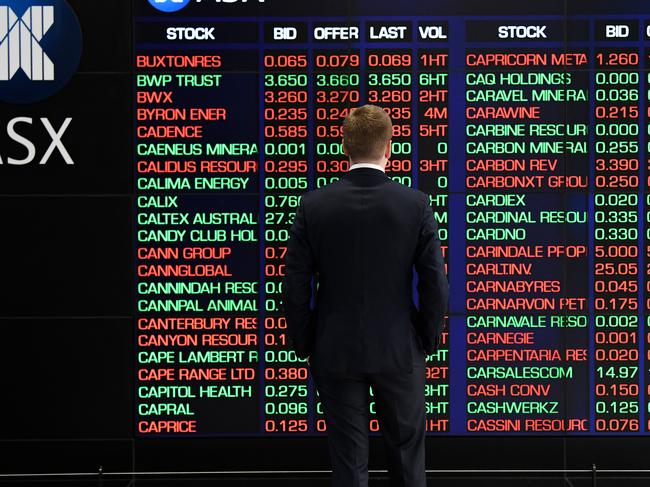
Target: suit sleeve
[(298, 272), (433, 288)]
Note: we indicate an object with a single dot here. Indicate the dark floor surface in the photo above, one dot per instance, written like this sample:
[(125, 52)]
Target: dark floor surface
[(433, 481)]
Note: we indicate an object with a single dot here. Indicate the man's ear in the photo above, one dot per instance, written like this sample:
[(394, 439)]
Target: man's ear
[(387, 149), (345, 151)]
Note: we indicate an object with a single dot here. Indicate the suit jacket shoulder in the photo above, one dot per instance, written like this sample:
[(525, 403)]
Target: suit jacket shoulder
[(404, 193)]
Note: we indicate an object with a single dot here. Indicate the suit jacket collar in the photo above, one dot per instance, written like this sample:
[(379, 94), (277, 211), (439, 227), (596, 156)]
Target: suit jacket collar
[(365, 172)]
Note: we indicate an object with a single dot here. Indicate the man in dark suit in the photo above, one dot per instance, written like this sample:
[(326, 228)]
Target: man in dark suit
[(354, 243)]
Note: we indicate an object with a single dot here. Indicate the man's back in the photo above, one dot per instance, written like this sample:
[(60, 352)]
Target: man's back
[(360, 239), (364, 233)]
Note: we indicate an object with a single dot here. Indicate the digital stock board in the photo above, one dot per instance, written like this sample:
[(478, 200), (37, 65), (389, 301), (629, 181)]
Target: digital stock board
[(527, 125)]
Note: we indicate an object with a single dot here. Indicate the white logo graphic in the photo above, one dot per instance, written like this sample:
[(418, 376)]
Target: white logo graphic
[(19, 43)]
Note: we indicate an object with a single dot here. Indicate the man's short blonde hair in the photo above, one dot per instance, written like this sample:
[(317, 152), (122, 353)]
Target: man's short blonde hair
[(366, 131)]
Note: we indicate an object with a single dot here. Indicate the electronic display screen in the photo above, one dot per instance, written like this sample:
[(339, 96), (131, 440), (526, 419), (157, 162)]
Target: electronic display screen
[(526, 123)]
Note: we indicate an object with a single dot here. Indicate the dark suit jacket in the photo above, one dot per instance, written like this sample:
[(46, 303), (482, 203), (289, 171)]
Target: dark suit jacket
[(359, 239)]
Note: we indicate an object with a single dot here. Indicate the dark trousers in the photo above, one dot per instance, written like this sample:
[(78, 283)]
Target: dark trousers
[(400, 407)]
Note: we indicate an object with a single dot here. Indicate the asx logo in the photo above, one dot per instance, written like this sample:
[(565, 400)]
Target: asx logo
[(23, 35), (169, 5), (175, 5), (40, 47)]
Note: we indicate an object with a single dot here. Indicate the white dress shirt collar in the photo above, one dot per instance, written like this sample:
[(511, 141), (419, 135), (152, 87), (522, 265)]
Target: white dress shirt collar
[(358, 165)]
